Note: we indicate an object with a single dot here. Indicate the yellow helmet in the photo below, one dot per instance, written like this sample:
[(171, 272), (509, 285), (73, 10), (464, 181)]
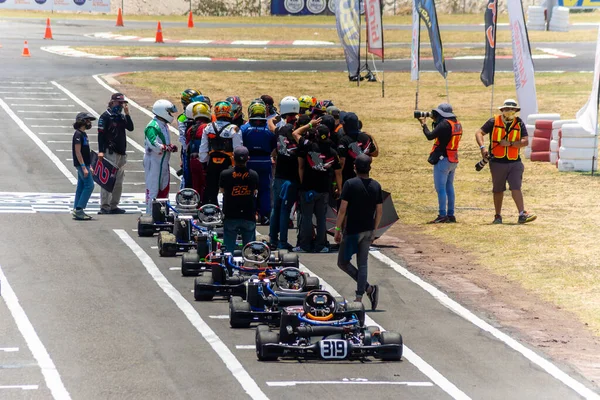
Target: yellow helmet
[(306, 102), (201, 110), (257, 111)]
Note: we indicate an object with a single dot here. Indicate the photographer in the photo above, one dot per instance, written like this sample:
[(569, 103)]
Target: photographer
[(447, 132), (507, 135)]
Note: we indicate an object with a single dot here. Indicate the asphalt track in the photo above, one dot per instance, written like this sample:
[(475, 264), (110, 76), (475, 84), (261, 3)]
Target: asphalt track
[(89, 310)]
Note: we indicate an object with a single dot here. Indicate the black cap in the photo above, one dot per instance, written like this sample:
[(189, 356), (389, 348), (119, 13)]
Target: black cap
[(351, 125), (82, 116), (333, 110), (322, 132), (329, 122), (268, 100), (240, 154), (362, 164), (118, 97)]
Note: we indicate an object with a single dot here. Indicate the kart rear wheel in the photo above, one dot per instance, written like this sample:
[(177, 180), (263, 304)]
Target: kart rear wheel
[(201, 291), (189, 264), (202, 247), (312, 283), (237, 305), (145, 226), (372, 332), (391, 338), (157, 214), (290, 260), (164, 239), (263, 328), (357, 308), (266, 337)]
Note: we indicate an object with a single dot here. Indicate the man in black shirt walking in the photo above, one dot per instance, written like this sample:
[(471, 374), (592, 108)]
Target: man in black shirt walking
[(239, 186), (359, 214), (112, 145)]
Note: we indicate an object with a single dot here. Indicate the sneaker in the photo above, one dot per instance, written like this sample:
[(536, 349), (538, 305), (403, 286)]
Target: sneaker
[(374, 296), (104, 211), (298, 249), (497, 219), (73, 211), (439, 220), (81, 216), (285, 246), (117, 211), (272, 246), (526, 217), (451, 219), (324, 250)]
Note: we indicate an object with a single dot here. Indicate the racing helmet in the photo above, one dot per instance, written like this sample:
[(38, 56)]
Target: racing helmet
[(236, 105), (203, 98), (223, 109), (198, 110), (189, 108), (164, 109), (320, 108), (187, 96), (257, 111), (306, 102), (289, 105), (327, 103)]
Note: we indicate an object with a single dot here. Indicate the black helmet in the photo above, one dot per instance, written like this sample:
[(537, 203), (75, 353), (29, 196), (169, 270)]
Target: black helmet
[(187, 95)]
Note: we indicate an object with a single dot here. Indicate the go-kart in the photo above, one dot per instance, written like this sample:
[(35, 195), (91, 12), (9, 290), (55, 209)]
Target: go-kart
[(163, 213), (267, 295), (321, 329), (228, 278), (189, 233)]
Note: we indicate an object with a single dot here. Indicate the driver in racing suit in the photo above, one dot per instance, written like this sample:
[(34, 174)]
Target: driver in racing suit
[(158, 152), (183, 124)]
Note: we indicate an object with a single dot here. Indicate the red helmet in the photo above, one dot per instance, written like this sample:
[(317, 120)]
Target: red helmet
[(236, 105)]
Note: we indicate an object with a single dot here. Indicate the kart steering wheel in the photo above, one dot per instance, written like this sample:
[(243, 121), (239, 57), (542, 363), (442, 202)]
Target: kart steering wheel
[(256, 252), (319, 304), (187, 197), (209, 214), (290, 279)]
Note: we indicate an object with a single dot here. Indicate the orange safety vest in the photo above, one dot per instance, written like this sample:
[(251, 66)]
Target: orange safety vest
[(499, 133), (452, 146)]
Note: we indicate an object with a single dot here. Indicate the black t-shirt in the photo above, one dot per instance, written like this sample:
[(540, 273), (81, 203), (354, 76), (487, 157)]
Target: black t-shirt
[(319, 161), (81, 138), (239, 185), (286, 166), (488, 127), (350, 147), (362, 196), (111, 132)]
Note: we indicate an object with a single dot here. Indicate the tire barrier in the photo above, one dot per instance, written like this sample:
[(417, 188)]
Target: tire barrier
[(539, 145), (578, 148), (560, 19), (540, 156), (536, 18)]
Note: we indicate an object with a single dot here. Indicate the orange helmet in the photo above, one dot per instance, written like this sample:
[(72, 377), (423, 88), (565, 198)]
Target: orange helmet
[(222, 109)]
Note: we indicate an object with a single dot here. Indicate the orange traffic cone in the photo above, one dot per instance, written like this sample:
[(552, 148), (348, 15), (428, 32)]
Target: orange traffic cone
[(48, 34), (25, 51), (119, 18), (190, 20), (159, 37)]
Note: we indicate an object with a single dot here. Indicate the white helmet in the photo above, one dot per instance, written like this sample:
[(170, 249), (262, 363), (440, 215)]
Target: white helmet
[(189, 109), (289, 105), (164, 108)]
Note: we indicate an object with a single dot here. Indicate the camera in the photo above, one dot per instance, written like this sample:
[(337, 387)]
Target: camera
[(422, 114), (479, 166)]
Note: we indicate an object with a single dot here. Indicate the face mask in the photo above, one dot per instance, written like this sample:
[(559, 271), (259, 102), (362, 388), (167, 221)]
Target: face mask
[(509, 115), (88, 124), (117, 109)]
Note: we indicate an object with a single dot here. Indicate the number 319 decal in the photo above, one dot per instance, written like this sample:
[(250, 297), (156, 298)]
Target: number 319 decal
[(333, 348)]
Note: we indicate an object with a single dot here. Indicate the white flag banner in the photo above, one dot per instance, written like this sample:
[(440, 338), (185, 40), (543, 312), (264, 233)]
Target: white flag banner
[(522, 61), (588, 115), (414, 49)]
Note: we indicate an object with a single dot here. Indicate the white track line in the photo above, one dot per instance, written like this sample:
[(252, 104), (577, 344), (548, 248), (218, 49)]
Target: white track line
[(51, 375), (35, 98), (231, 362), (22, 387), (245, 346), (224, 316), (9, 349), (142, 109), (66, 172), (408, 354), (481, 324), (348, 382)]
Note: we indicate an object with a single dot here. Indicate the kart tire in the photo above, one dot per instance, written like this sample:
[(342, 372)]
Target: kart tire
[(373, 332), (189, 264), (237, 305), (145, 226), (163, 239), (290, 260), (219, 274), (262, 338), (312, 283), (391, 338), (203, 294), (358, 308), (157, 214), (263, 328), (202, 248)]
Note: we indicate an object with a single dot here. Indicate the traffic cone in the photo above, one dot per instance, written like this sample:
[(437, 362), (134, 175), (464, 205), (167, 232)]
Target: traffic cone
[(119, 18), (48, 34), (190, 20), (159, 37), (25, 51)]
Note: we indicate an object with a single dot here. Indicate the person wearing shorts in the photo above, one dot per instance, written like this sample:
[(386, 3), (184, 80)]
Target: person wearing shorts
[(507, 135)]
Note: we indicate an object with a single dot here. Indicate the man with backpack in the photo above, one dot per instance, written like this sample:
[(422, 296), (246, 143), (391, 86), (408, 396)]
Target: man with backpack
[(353, 143), (199, 113)]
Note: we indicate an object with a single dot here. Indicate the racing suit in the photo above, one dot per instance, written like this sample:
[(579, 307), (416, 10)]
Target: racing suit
[(219, 139), (260, 142), (156, 161), (183, 124), (193, 141)]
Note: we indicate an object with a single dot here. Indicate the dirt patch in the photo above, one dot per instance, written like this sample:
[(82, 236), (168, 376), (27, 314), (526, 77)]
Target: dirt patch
[(556, 332)]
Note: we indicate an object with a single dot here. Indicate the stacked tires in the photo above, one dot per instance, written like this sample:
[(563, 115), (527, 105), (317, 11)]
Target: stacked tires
[(578, 149), (560, 19), (539, 130), (555, 143), (536, 18)]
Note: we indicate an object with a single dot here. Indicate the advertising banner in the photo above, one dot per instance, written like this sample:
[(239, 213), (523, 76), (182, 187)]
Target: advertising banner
[(588, 115), (489, 62), (374, 27), (416, 42), (522, 61), (579, 3), (303, 7), (347, 18), (426, 9), (100, 6)]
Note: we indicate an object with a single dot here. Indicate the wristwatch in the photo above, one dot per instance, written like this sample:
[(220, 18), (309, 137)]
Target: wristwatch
[(482, 147), (511, 143)]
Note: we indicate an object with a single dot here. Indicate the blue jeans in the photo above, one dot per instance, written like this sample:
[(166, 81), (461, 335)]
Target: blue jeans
[(85, 187), (280, 214), (231, 228), (443, 180)]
